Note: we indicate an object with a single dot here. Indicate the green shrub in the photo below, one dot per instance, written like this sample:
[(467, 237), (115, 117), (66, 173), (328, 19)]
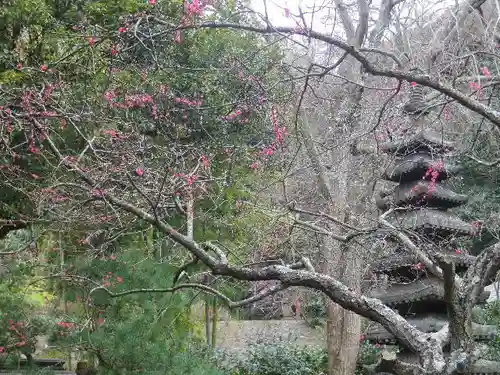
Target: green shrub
[(490, 314), (368, 354), (279, 358)]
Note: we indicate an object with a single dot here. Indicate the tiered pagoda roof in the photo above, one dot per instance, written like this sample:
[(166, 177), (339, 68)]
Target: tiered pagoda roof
[(421, 167)]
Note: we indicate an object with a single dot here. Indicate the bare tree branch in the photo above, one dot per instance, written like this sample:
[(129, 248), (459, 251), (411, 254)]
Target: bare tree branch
[(485, 163), (346, 19), (388, 363), (481, 273), (470, 103), (383, 21), (205, 288), (330, 218), (426, 261)]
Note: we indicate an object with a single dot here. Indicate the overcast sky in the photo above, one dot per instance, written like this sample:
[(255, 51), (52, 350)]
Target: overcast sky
[(276, 10), (277, 14)]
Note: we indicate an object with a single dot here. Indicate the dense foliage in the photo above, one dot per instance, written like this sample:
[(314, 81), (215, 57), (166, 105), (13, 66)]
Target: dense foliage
[(189, 116), (127, 99)]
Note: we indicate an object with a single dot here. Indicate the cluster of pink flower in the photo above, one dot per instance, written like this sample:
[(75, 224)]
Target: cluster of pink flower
[(486, 72), (27, 98), (418, 266), (100, 320), (269, 151), (43, 67), (58, 198), (48, 114), (107, 279), (195, 7), (131, 101), (205, 161), (33, 147), (287, 12), (279, 132), (433, 173), (48, 91), (190, 179), (474, 85), (233, 115), (191, 103), (477, 225), (66, 325), (104, 218), (113, 133), (137, 101), (477, 88), (98, 193), (110, 95), (17, 329), (446, 113), (255, 165)]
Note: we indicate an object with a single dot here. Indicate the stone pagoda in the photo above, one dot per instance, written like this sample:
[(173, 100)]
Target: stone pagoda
[(421, 167)]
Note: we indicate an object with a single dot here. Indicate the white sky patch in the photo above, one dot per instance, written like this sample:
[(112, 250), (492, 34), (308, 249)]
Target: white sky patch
[(325, 9), (276, 10)]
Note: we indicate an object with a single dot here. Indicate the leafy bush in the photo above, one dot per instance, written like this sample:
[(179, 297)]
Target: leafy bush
[(169, 359), (278, 358), (140, 333), (368, 353), (315, 310), (22, 318), (490, 314)]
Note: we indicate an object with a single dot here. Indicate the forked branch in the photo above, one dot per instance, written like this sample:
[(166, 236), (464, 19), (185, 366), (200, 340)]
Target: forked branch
[(204, 288)]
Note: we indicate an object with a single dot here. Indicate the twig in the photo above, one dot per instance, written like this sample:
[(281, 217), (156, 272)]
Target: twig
[(331, 218), (485, 163), (205, 288)]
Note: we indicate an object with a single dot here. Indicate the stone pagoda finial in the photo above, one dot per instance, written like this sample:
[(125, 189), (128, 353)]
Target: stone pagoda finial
[(416, 105)]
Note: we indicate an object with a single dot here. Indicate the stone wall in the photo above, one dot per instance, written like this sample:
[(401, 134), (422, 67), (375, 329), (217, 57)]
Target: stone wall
[(238, 334)]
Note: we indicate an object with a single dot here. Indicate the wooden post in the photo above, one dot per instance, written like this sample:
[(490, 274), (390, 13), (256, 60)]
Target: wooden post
[(215, 318)]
